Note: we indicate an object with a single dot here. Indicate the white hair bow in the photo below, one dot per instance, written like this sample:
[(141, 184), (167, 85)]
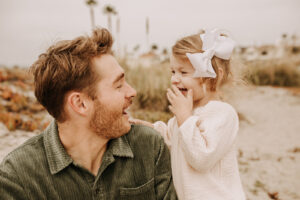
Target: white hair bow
[(213, 45)]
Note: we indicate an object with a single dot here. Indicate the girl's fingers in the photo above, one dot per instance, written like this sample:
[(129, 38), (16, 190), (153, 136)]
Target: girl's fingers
[(169, 98), (176, 90), (172, 109), (132, 121), (190, 94), (171, 94)]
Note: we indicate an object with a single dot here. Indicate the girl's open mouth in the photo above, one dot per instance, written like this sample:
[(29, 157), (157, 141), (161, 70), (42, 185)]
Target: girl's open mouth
[(183, 89)]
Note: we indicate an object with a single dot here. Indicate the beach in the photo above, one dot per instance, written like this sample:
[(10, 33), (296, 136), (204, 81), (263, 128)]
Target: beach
[(268, 142)]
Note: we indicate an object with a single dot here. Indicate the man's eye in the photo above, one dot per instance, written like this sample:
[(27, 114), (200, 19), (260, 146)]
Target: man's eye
[(119, 86), (173, 72), (184, 72)]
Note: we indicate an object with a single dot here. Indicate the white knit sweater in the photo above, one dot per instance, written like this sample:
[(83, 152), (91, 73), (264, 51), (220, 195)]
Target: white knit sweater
[(203, 156)]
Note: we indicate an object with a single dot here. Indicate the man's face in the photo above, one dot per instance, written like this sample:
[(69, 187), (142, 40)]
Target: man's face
[(113, 96)]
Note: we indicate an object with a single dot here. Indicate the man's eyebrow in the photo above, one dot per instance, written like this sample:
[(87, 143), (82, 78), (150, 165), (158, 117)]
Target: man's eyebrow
[(119, 78)]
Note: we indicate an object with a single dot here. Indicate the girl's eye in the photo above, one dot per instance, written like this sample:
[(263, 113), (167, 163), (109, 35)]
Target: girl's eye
[(119, 86), (173, 72), (184, 72)]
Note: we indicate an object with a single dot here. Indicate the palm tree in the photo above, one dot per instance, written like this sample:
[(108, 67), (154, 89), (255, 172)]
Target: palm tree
[(165, 56), (92, 4), (118, 37), (109, 10), (154, 47), (164, 51), (147, 31), (136, 48)]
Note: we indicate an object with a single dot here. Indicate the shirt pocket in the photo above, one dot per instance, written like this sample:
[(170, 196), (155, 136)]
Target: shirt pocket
[(144, 192)]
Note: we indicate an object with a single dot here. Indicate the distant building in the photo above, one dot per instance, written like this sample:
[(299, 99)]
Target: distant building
[(283, 47)]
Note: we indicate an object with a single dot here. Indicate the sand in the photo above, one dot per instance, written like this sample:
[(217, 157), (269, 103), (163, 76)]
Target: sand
[(268, 142)]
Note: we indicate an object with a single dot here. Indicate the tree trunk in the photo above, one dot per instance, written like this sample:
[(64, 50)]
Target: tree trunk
[(92, 17), (109, 22), (118, 37)]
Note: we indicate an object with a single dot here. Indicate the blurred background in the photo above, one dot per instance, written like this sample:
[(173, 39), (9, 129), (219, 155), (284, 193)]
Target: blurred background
[(266, 64)]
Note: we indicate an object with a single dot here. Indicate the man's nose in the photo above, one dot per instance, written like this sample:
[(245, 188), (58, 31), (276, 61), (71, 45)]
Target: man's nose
[(131, 91)]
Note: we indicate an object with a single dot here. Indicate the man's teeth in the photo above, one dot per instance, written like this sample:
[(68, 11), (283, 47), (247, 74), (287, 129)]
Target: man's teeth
[(125, 111)]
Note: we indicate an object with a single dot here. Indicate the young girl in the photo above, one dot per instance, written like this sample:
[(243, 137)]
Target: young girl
[(201, 135)]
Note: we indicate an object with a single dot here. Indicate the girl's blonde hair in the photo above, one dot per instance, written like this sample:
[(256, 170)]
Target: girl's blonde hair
[(193, 44)]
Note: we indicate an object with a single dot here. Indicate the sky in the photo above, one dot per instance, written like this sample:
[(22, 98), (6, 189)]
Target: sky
[(29, 27)]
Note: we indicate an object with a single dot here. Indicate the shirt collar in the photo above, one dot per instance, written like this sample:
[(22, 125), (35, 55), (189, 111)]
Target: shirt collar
[(58, 159), (120, 147)]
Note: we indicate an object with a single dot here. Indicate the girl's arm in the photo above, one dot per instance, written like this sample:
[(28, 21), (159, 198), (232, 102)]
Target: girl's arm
[(206, 139), (163, 128)]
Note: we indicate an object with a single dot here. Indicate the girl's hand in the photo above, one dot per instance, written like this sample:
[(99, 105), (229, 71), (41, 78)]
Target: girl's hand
[(141, 122), (181, 106)]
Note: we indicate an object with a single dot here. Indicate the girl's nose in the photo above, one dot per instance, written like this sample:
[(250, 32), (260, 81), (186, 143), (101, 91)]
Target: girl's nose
[(175, 79)]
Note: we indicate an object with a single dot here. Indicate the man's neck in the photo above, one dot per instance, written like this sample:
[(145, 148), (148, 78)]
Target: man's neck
[(84, 146)]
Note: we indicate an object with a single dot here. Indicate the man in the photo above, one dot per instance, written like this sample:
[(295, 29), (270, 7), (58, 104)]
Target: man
[(90, 151)]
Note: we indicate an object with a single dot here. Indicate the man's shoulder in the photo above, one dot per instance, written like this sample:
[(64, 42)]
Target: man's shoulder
[(141, 136), (24, 153), (141, 132)]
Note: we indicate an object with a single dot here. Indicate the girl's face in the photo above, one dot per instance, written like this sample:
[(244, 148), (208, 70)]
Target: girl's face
[(182, 78)]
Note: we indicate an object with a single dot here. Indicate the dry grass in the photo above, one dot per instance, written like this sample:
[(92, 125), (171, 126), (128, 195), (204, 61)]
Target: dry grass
[(151, 84), (151, 115), (273, 72)]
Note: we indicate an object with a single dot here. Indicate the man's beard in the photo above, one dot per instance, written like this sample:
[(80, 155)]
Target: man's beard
[(108, 123)]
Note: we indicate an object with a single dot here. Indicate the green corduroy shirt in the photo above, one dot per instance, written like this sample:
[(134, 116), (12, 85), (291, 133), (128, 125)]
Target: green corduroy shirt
[(134, 166)]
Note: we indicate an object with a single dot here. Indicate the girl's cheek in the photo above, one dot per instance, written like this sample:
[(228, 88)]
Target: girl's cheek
[(185, 80)]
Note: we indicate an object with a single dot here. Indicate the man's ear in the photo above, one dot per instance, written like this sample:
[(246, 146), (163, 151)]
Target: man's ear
[(78, 102)]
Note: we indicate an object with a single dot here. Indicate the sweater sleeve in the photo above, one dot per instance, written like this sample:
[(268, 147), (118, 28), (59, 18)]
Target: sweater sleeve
[(165, 130), (207, 136)]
